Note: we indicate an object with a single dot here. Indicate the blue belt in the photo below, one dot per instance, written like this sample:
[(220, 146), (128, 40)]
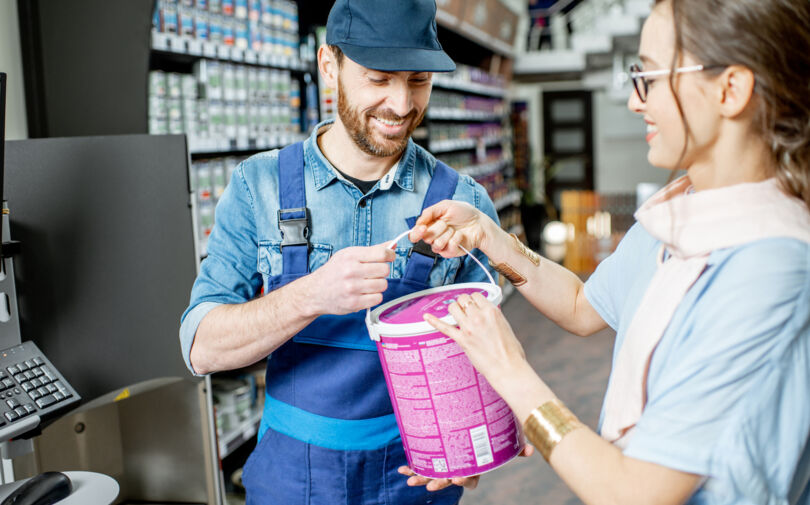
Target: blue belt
[(329, 432)]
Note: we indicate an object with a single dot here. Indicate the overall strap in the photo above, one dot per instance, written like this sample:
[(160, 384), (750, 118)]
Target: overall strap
[(420, 258), (293, 215)]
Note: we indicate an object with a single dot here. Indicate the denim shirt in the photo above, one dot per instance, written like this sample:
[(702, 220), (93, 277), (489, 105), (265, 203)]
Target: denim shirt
[(244, 248)]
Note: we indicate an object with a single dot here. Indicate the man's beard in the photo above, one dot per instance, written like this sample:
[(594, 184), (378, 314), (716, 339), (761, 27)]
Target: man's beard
[(358, 129)]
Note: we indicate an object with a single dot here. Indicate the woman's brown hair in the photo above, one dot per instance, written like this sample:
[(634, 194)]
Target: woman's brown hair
[(772, 39)]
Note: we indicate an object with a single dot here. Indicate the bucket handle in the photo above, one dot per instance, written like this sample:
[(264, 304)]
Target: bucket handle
[(392, 245), (394, 242)]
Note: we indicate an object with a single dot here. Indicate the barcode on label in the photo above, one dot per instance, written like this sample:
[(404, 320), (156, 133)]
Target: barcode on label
[(481, 447), (439, 465)]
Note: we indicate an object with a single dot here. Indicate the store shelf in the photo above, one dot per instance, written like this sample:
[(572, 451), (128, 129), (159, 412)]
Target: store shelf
[(173, 44), (443, 82), (445, 145), (230, 441), (198, 145), (511, 198), (462, 114), (482, 168)]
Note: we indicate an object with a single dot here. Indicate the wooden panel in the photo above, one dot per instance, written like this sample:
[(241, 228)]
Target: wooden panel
[(503, 23), (449, 12)]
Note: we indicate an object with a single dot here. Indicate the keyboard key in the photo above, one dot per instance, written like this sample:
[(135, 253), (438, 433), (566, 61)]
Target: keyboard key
[(21, 367), (20, 411), (36, 383), (8, 383), (34, 394), (30, 363), (38, 361), (43, 391), (30, 408), (46, 401), (12, 416), (27, 386), (52, 388), (3, 375), (12, 403), (29, 375), (13, 370), (59, 396), (38, 372), (20, 377), (17, 391)]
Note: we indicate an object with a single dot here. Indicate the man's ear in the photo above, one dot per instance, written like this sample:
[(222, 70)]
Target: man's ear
[(736, 90), (328, 66)]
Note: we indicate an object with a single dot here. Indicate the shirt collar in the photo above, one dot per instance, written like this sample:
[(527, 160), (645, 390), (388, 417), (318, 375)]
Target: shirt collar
[(324, 173)]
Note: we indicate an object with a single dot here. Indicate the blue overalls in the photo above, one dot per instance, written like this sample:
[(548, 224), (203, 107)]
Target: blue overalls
[(328, 433)]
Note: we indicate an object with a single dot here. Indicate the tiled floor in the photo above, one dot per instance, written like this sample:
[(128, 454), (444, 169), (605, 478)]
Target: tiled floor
[(577, 370)]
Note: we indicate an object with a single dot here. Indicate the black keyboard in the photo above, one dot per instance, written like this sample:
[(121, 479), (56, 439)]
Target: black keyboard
[(29, 386)]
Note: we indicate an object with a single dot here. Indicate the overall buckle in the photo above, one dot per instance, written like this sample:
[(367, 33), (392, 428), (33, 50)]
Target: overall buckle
[(295, 230), (424, 249)]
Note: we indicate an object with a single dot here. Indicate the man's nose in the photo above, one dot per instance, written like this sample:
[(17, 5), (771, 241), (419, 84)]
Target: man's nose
[(400, 99)]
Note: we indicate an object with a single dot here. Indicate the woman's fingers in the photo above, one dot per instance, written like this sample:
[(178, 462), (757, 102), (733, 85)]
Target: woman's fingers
[(450, 331)]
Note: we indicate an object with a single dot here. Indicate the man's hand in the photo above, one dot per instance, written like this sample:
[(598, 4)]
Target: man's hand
[(353, 279), (437, 484)]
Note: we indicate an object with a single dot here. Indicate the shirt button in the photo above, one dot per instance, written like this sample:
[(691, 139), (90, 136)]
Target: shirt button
[(362, 203)]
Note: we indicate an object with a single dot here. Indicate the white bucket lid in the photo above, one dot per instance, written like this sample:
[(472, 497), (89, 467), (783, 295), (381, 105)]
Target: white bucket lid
[(415, 325)]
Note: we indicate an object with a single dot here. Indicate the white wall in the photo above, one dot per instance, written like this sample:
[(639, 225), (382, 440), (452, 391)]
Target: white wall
[(620, 150), (11, 64)]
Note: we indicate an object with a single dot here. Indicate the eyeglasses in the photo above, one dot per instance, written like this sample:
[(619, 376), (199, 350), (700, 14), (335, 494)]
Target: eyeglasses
[(642, 83)]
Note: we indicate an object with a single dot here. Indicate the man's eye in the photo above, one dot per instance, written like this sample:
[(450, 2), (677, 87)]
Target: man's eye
[(376, 81)]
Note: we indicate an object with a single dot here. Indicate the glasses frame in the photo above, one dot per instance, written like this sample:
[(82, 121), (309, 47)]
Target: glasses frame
[(642, 84)]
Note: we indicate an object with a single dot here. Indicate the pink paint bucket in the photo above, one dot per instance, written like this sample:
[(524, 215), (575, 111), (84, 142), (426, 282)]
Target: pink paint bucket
[(453, 424)]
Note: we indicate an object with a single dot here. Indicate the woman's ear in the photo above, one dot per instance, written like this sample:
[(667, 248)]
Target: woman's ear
[(736, 90)]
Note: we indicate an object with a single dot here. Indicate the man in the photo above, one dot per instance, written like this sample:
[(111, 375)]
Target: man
[(299, 224)]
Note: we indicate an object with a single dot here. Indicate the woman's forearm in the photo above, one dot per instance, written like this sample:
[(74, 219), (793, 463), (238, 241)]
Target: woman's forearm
[(554, 290)]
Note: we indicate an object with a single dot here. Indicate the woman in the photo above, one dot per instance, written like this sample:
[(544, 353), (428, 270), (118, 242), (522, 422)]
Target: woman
[(709, 293)]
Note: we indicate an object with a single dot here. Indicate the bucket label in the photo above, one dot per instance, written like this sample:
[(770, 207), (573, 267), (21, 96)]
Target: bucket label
[(413, 310), (452, 421)]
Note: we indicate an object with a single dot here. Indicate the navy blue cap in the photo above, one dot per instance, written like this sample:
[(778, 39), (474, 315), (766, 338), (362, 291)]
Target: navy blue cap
[(388, 35)]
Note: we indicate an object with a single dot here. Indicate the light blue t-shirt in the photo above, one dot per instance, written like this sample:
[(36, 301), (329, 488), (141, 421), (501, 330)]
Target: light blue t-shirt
[(728, 391)]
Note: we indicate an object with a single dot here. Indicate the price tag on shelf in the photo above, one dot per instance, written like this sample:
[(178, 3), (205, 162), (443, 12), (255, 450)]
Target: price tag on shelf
[(223, 52), (209, 50), (237, 54), (176, 44), (250, 56), (195, 47), (160, 42)]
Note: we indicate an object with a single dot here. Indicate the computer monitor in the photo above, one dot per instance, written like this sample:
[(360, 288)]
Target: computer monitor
[(107, 255)]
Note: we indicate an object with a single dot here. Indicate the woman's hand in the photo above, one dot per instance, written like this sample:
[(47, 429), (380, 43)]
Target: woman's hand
[(449, 224), (485, 335)]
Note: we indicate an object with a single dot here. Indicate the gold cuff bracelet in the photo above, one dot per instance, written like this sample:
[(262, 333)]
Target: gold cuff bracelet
[(548, 424)]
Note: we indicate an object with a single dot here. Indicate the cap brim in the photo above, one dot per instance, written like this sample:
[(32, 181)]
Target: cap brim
[(399, 59)]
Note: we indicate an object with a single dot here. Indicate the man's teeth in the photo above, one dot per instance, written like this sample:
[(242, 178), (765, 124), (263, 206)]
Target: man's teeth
[(389, 122), (651, 128)]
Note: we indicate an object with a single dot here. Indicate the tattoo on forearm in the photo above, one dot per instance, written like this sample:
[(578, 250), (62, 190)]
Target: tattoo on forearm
[(508, 271)]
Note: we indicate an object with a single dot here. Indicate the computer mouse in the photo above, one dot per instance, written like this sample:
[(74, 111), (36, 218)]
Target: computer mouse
[(43, 489)]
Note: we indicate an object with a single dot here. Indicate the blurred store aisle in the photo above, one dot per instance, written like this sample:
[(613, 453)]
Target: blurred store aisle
[(577, 370)]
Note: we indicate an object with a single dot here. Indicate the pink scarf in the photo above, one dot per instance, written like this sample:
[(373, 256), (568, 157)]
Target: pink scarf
[(690, 226)]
